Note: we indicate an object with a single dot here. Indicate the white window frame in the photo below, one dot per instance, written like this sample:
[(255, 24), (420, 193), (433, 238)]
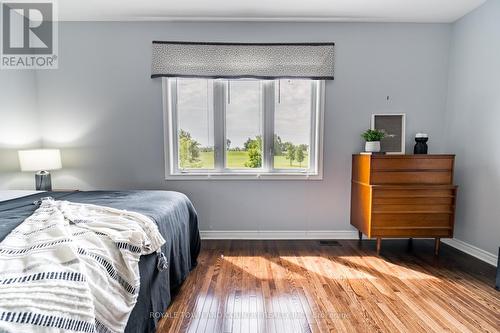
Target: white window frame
[(217, 101)]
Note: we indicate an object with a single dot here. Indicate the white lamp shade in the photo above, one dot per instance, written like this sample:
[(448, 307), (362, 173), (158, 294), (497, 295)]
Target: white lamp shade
[(40, 159)]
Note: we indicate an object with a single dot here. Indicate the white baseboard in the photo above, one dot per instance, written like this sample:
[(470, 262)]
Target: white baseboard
[(485, 256), (474, 251), (271, 234)]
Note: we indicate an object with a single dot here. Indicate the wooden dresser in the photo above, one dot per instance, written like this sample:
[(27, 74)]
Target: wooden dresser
[(403, 196)]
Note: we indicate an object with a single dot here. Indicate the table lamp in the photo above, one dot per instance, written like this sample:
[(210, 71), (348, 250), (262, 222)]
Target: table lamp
[(41, 161)]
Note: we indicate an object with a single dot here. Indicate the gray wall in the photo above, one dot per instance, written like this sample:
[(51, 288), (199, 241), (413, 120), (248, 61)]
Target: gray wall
[(19, 124), (472, 119), (102, 108)]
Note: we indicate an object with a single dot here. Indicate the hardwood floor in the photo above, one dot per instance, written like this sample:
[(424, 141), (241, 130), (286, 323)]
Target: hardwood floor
[(303, 286)]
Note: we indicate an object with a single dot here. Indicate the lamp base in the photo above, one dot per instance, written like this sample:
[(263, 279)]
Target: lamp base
[(43, 181)]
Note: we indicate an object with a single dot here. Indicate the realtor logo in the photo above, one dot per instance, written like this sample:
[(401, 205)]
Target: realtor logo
[(29, 35)]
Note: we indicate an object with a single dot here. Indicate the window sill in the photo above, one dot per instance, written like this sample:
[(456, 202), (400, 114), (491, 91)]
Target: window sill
[(244, 176)]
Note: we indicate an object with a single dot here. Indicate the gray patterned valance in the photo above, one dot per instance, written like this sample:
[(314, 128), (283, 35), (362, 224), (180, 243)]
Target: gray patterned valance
[(243, 60)]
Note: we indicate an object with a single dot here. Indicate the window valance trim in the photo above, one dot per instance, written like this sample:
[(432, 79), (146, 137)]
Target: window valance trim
[(245, 44), (235, 60)]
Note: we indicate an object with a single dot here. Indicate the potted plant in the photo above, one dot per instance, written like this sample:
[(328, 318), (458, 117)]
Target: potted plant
[(372, 138)]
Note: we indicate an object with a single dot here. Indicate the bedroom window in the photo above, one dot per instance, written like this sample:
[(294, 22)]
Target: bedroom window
[(243, 128)]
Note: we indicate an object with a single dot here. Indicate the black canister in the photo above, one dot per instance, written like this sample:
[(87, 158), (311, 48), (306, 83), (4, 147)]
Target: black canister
[(421, 143)]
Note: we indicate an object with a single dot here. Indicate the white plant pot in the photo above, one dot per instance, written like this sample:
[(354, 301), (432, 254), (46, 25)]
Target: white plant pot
[(372, 146)]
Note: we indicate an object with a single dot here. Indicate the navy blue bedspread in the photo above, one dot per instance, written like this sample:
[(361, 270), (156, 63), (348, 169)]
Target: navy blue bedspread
[(177, 221)]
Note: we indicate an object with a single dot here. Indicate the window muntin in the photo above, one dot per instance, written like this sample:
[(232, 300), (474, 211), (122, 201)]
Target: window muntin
[(224, 117)]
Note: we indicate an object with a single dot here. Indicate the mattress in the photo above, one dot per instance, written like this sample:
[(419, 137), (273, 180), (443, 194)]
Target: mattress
[(177, 221), (13, 194)]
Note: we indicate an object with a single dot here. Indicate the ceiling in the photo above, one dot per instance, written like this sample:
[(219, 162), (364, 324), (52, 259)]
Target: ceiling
[(267, 10)]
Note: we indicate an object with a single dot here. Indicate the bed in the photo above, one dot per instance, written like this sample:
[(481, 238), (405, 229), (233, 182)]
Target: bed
[(177, 222)]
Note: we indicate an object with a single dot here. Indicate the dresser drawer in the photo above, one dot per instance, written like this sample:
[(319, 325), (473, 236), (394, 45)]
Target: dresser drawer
[(382, 192), (400, 208), (411, 220), (413, 232), (411, 177), (412, 204), (412, 164), (409, 200)]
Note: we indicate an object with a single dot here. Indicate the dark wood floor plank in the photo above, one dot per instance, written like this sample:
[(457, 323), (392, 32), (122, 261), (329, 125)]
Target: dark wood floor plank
[(192, 322), (184, 303), (301, 286), (215, 322), (308, 299), (316, 286)]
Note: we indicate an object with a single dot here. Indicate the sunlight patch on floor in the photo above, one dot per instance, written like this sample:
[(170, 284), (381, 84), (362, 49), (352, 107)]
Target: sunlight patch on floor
[(341, 267), (387, 268)]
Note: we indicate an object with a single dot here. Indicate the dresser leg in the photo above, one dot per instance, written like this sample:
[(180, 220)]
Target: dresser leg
[(379, 241), (360, 235), (437, 242), (410, 244)]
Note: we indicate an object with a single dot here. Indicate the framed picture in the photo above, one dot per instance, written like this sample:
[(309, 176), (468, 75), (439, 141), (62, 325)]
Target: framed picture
[(394, 126)]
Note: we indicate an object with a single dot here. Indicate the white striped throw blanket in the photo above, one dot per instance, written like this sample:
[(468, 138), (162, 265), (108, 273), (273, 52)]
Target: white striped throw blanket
[(73, 268)]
